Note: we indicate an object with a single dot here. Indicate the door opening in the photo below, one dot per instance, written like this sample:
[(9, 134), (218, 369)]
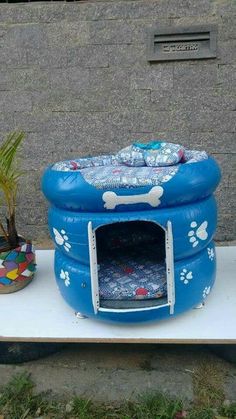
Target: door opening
[(132, 271)]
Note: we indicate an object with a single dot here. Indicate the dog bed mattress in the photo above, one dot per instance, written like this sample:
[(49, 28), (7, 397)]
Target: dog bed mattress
[(132, 274), (136, 178)]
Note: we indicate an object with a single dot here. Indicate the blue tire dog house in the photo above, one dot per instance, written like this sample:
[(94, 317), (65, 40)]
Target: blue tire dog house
[(134, 231)]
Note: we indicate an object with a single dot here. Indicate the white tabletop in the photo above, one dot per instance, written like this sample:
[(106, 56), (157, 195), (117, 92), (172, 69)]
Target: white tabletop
[(39, 313)]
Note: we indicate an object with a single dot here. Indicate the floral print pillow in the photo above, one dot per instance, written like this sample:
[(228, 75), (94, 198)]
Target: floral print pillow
[(131, 156), (168, 154), (155, 153)]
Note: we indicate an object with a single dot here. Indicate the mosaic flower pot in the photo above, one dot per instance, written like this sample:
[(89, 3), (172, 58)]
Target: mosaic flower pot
[(17, 267)]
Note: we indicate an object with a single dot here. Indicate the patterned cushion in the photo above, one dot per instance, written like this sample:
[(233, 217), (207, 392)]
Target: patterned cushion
[(86, 162), (167, 155), (126, 177), (131, 156), (131, 277), (193, 156), (154, 154), (150, 164)]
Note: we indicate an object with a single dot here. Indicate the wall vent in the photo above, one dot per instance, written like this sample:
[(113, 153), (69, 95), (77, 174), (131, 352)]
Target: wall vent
[(182, 43)]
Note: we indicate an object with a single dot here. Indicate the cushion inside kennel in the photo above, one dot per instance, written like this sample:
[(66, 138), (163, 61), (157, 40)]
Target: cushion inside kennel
[(131, 258), (132, 276)]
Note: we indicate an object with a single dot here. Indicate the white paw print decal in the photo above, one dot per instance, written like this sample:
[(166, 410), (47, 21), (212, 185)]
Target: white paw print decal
[(185, 276), (65, 276), (211, 253), (206, 291), (61, 239), (197, 232)]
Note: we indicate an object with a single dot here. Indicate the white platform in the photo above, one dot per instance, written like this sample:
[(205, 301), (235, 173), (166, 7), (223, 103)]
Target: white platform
[(38, 313)]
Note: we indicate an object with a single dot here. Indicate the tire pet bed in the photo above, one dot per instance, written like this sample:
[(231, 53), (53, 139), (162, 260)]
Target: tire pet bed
[(134, 231)]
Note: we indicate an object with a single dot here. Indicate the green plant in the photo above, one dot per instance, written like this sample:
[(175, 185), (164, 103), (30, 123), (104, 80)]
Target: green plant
[(201, 413), (18, 400), (208, 385), (9, 180), (229, 411), (82, 408)]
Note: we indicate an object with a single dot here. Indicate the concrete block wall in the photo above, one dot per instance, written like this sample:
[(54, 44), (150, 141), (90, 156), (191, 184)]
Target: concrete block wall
[(75, 77)]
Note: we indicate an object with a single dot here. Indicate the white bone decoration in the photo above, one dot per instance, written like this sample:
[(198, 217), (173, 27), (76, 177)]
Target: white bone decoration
[(152, 198)]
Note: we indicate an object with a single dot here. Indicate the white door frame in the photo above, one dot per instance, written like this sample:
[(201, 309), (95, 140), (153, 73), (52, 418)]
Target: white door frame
[(169, 272), (93, 267)]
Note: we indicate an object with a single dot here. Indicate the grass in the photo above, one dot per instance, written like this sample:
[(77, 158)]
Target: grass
[(208, 385), (229, 411), (18, 400)]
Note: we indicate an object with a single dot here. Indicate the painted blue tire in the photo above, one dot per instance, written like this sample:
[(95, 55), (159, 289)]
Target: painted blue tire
[(192, 182), (186, 199), (76, 289), (74, 227)]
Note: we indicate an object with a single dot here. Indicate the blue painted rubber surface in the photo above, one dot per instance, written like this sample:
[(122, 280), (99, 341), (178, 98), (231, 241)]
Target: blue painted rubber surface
[(76, 226), (69, 190), (187, 202), (188, 295)]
